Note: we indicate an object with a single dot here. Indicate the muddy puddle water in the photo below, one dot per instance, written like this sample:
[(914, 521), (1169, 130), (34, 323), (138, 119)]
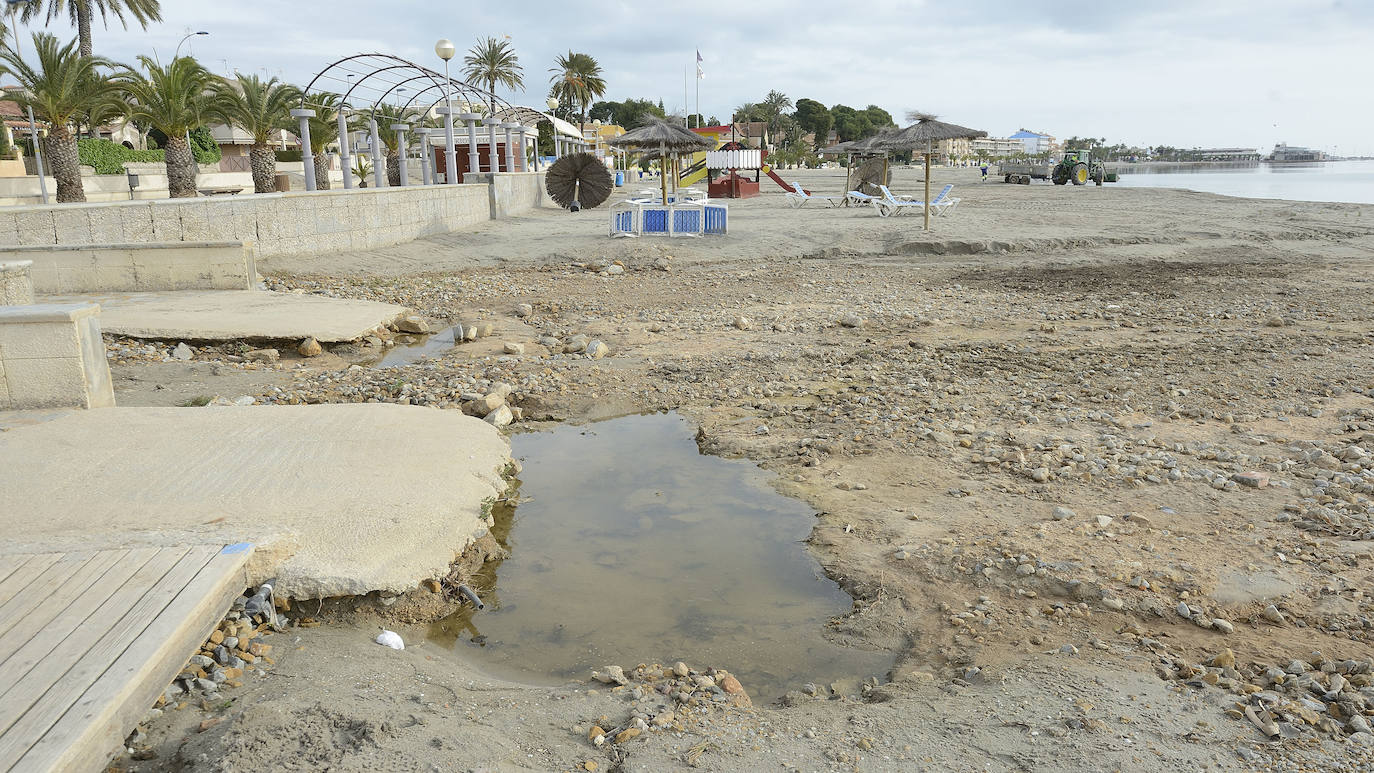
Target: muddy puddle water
[(629, 546), (413, 348)]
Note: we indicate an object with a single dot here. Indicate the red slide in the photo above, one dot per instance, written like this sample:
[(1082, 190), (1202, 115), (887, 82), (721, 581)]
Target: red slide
[(785, 185)]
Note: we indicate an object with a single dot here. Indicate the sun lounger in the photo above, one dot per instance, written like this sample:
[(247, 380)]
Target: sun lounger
[(858, 198), (798, 197), (889, 204)]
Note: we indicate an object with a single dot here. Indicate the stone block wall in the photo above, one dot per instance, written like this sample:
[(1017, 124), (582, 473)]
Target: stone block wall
[(297, 223), (16, 286), (52, 356), (134, 267)]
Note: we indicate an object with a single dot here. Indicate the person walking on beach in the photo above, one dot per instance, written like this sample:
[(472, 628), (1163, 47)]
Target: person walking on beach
[(984, 169)]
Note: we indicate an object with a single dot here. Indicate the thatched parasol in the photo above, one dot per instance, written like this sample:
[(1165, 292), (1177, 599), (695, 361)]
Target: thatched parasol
[(580, 179), (666, 137), (925, 133), (866, 177)]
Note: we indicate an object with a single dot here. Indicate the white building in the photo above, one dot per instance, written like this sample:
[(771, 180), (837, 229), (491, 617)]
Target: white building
[(1035, 142)]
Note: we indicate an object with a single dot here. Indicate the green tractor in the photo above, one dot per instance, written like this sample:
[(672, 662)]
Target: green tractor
[(1077, 167)]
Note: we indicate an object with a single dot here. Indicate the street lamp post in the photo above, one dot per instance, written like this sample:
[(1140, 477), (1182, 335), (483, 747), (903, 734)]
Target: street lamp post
[(552, 103), (183, 40), (446, 50), (13, 4)]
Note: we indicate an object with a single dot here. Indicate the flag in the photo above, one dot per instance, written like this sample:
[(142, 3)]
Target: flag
[(700, 73)]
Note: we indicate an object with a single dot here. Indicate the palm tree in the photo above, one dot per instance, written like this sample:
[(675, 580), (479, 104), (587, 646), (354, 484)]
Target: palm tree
[(63, 88), (577, 81), (81, 11), (261, 108), (493, 61), (324, 129), (773, 105), (174, 99)]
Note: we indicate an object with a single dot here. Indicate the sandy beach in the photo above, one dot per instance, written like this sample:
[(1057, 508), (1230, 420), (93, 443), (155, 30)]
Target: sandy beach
[(1093, 463)]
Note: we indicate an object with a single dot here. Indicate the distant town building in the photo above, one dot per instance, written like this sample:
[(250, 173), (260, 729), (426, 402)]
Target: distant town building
[(1284, 152), (1035, 142), (1226, 154), (997, 147)]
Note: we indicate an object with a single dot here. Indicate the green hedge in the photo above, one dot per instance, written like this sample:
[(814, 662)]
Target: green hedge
[(110, 157), (204, 147), (287, 156)]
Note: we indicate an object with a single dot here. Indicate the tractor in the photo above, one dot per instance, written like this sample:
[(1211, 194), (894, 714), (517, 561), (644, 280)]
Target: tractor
[(1078, 168)]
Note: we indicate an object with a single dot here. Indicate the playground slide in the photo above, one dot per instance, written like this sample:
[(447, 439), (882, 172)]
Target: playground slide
[(691, 178), (768, 170)]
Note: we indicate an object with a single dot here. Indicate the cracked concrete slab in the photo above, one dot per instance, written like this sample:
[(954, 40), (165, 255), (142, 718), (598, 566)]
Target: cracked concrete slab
[(229, 315), (338, 499)]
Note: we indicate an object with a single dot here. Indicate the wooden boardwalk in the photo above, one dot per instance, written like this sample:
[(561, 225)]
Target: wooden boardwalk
[(89, 640)]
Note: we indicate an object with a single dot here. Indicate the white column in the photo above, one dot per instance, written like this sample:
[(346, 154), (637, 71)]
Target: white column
[(493, 158), (345, 160), (304, 116), (378, 162), (423, 134), (401, 129), (471, 120)]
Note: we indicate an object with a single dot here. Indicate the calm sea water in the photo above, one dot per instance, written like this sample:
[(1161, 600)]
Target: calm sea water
[(1351, 181)]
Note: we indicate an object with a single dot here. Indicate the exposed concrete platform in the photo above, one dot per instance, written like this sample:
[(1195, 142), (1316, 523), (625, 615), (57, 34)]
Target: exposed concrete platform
[(337, 499), (225, 315)]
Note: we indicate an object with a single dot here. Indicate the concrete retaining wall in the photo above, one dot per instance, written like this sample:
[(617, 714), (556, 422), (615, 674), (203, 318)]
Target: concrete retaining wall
[(514, 193), (52, 356), (279, 223), (16, 284), (132, 267)]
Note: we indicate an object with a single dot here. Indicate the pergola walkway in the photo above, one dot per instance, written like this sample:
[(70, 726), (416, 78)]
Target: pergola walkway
[(90, 639)]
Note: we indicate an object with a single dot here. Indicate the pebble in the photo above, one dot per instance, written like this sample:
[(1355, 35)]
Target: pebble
[(610, 675), (596, 349), (1223, 625), (263, 355), (1063, 514), (501, 417), (1273, 615), (680, 669), (309, 348), (182, 352), (1253, 479), (851, 320), (743, 323), (512, 347), (524, 310)]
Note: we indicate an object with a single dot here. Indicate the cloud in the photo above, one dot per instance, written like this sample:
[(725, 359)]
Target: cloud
[(1177, 72)]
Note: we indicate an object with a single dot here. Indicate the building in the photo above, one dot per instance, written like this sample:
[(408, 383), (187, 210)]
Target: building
[(1285, 153), (1036, 143), (995, 147), (1226, 154), (753, 134)]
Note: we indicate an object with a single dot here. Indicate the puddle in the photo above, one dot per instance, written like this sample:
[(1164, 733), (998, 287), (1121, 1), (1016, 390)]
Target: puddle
[(629, 546), (419, 348)]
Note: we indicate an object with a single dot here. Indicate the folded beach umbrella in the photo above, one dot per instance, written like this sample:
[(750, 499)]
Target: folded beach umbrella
[(581, 178), (922, 135)]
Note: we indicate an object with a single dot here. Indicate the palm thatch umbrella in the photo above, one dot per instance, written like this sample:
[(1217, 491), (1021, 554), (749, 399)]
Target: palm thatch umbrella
[(579, 179), (666, 137), (925, 133)]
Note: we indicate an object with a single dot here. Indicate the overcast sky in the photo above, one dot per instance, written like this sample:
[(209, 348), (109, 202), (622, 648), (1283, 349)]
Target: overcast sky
[(1187, 73)]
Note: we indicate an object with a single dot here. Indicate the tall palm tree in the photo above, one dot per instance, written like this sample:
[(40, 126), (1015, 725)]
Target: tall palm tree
[(172, 98), (63, 88), (80, 13), (261, 108), (324, 129), (493, 61), (774, 105), (577, 81)]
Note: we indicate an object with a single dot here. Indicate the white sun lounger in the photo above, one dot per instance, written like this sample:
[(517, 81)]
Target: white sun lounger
[(798, 197), (889, 204)]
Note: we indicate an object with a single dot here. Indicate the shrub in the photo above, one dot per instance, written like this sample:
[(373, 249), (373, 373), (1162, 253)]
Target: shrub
[(110, 157), (204, 147), (287, 156)]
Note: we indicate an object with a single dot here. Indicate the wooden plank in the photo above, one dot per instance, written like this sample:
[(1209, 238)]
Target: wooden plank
[(74, 571), (94, 729), (100, 569), (32, 705), (46, 658), (21, 577), (10, 562), (50, 638)]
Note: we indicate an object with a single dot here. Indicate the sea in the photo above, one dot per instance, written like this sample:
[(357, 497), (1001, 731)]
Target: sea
[(1349, 181)]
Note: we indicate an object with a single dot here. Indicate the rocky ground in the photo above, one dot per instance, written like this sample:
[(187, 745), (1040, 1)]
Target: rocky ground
[(1109, 504)]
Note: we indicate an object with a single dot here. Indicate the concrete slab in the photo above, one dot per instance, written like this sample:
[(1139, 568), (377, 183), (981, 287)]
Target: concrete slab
[(338, 499), (225, 315)]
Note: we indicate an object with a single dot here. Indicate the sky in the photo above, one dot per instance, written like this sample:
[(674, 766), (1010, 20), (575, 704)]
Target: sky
[(1186, 73)]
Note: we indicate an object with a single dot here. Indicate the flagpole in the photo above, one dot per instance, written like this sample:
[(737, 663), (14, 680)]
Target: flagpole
[(685, 105)]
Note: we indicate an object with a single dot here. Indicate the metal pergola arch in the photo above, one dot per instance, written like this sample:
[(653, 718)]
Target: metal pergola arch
[(376, 77)]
